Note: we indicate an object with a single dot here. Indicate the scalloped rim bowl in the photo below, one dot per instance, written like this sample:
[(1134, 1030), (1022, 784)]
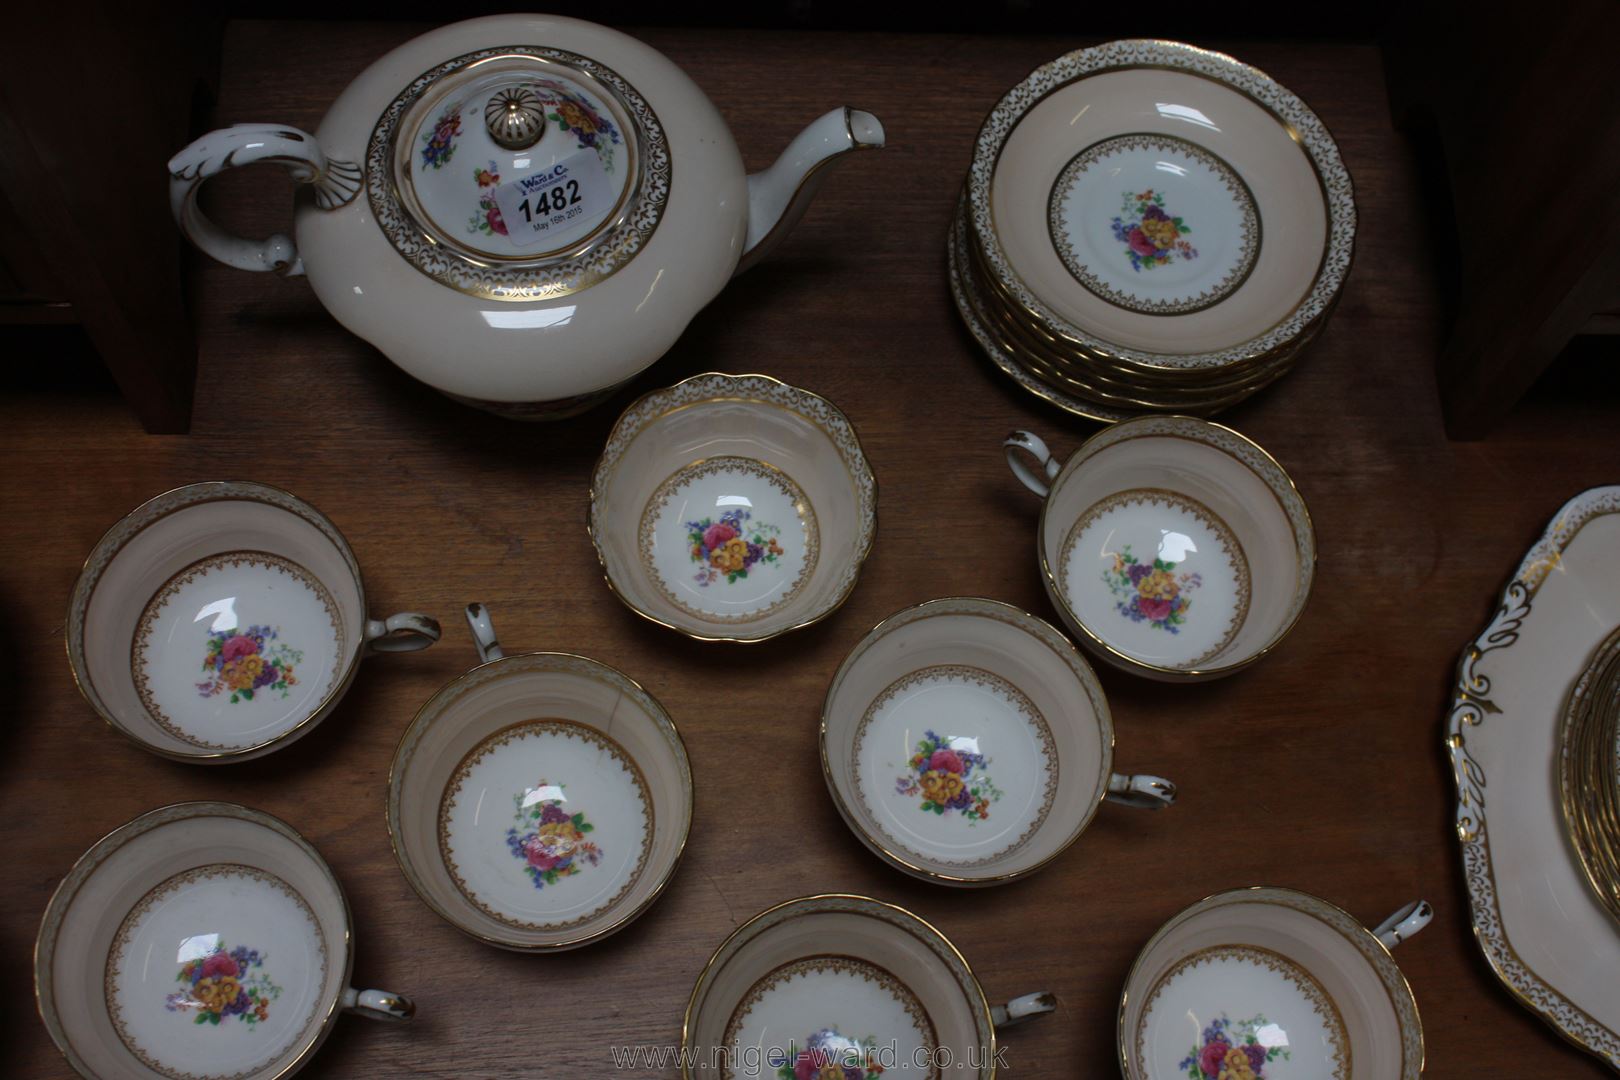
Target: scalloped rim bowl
[(775, 429)]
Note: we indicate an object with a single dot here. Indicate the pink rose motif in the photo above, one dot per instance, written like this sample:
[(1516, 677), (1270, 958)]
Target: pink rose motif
[(538, 856), (1213, 1057), (237, 647), (808, 1066), (1154, 609), (1139, 242), (495, 220), (947, 761), (716, 535), (220, 964)]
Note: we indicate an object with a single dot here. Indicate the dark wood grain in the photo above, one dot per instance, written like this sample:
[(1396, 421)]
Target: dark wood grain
[(1521, 296), (83, 177), (1319, 769)]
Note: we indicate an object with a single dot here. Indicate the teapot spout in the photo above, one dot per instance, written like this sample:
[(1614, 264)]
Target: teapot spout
[(778, 196)]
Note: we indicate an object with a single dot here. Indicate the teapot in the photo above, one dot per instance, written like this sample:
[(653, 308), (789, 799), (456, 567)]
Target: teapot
[(522, 211)]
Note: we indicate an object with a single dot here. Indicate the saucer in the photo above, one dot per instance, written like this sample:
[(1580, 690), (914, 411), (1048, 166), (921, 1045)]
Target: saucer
[(541, 801), (1271, 984), (199, 940), (945, 735), (220, 621), (732, 508), (1163, 204), (842, 986), (1175, 547)]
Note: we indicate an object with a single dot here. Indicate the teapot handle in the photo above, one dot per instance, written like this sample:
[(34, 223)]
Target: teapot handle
[(336, 184)]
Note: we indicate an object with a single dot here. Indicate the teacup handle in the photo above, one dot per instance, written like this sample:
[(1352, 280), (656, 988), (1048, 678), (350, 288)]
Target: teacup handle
[(1404, 923), (1020, 443), (407, 631), (336, 184), (483, 632), (1141, 791), (1020, 1009), (378, 1004)]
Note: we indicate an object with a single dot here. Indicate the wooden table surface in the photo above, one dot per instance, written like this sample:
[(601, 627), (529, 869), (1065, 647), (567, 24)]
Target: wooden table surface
[(1320, 769)]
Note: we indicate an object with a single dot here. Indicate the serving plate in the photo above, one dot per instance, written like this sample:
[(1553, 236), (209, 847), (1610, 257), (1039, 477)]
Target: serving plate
[(1537, 921)]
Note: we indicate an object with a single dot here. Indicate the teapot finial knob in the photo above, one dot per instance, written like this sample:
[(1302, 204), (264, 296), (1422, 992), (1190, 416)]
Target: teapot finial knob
[(516, 118)]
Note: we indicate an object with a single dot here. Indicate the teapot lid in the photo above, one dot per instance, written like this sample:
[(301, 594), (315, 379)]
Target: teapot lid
[(518, 173)]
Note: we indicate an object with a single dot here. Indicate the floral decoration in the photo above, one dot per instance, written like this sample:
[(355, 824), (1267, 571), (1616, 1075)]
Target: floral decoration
[(948, 779), (732, 546), (225, 985), (1151, 592), (829, 1056), (488, 219), (1152, 237), (574, 114), (245, 663), (549, 840), (441, 141), (1232, 1051)]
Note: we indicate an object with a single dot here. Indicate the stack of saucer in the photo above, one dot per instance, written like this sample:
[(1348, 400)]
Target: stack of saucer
[(1589, 772), (1150, 227)]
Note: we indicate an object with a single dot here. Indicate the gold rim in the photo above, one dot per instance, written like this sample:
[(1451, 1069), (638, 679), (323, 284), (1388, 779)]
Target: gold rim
[(62, 898), (1071, 657), (1586, 772), (229, 491), (864, 544), (1247, 894), (982, 1002), (1015, 316), (390, 800), (1124, 660)]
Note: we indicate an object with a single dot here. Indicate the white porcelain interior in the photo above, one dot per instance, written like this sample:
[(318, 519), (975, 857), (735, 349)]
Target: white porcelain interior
[(1539, 924), (981, 705), (1176, 547), (151, 932), (1314, 992), (841, 975), (721, 474), (1179, 144), (207, 574), (541, 801)]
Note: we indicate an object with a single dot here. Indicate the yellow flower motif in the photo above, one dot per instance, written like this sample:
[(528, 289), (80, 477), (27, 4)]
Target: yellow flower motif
[(730, 556), (1159, 585), (1162, 231), (831, 1069), (940, 786), (216, 993), (575, 116), (1237, 1066), (558, 838), (239, 674)]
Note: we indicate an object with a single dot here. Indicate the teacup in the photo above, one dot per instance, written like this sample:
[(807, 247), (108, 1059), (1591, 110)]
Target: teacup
[(944, 733), (220, 621), (838, 980), (1245, 978), (541, 801), (200, 939), (732, 507), (1173, 547)]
